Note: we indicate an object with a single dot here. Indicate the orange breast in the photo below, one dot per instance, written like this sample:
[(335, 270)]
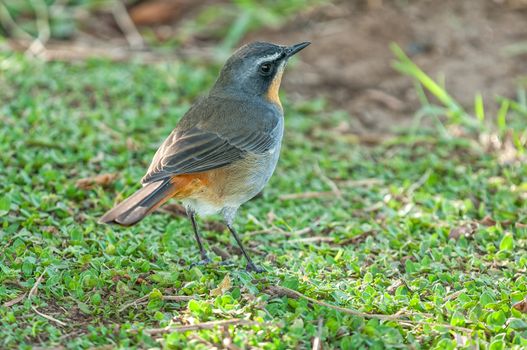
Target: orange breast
[(216, 187), (187, 184), (272, 93)]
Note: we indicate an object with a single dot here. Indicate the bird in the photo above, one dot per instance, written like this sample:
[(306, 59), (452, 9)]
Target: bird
[(224, 149)]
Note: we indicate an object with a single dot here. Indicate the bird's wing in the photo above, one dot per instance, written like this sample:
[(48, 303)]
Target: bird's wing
[(196, 150)]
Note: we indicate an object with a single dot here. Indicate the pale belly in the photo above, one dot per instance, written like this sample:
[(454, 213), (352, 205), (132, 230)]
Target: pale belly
[(231, 186)]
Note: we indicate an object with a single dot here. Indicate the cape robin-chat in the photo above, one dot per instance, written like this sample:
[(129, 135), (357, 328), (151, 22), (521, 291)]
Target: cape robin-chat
[(224, 149)]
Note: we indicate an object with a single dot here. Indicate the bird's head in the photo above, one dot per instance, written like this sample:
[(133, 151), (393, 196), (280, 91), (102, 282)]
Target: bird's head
[(256, 69)]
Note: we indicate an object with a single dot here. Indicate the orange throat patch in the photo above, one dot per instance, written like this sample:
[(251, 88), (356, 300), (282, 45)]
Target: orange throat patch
[(272, 93)]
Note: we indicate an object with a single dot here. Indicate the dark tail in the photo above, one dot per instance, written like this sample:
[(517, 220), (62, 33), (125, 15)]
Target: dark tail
[(134, 208)]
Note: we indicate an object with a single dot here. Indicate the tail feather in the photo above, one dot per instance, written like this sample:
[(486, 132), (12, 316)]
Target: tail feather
[(140, 204)]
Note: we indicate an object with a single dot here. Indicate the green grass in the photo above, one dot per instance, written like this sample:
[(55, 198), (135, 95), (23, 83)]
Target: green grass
[(382, 247)]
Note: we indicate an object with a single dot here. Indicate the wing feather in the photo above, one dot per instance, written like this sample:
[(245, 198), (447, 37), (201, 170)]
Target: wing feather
[(200, 150)]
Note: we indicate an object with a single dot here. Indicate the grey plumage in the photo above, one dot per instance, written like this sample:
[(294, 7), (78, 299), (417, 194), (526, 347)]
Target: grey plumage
[(217, 131), (224, 149)]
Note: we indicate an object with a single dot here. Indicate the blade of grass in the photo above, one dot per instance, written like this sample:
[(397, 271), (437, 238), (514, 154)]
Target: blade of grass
[(238, 29), (514, 105), (406, 66), (517, 140), (479, 108), (421, 95), (435, 112), (502, 116)]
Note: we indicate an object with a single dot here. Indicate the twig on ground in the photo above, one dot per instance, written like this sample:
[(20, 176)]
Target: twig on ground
[(335, 191), (317, 343), (34, 290), (305, 230), (334, 188), (454, 295), (15, 300), (127, 26), (38, 45), (178, 298), (264, 228), (103, 180), (143, 299), (386, 99), (48, 317), (78, 51), (195, 327), (399, 318), (312, 239), (420, 182), (361, 182)]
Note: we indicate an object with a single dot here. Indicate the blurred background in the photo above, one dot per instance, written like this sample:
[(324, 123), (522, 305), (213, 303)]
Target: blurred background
[(471, 47)]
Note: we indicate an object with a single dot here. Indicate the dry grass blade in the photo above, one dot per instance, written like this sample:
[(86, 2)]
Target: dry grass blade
[(15, 300), (400, 318), (466, 231), (178, 298), (521, 306), (334, 188), (420, 182), (98, 180), (319, 239), (199, 326), (127, 26), (455, 294), (144, 299), (284, 291), (34, 290), (361, 182), (317, 342), (48, 317), (38, 47)]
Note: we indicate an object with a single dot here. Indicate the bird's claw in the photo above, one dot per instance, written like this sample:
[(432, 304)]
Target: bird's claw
[(254, 268), (205, 261)]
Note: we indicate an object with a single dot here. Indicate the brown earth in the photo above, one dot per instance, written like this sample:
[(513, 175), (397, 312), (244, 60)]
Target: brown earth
[(471, 44)]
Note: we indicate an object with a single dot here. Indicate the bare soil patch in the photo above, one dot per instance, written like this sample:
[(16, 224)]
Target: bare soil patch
[(477, 46)]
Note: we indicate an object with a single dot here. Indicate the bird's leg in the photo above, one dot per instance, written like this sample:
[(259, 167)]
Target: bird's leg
[(250, 265), (204, 258)]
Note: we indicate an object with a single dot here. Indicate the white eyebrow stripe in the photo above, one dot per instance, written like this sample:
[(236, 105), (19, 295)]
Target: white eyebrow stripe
[(269, 57)]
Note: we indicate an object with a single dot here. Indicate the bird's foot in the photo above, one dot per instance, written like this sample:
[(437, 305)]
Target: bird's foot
[(204, 261), (253, 268)]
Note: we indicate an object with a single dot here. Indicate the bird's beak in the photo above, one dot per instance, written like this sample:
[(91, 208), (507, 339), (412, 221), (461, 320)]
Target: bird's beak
[(293, 49)]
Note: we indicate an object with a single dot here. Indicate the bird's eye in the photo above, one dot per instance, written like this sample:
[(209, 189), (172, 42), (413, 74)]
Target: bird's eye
[(266, 68)]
